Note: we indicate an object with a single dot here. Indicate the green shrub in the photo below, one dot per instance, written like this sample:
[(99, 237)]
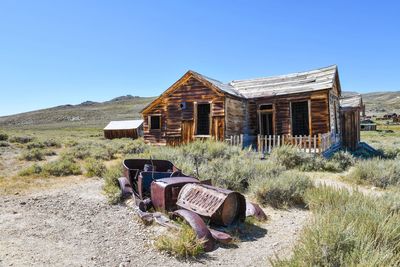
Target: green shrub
[(49, 152), (314, 163), (203, 151), (62, 167), (287, 189), (378, 172), (110, 187), (94, 168), (36, 144), (52, 143), (343, 160), (348, 229), (103, 152), (339, 162), (137, 146), (21, 139), (182, 244), (3, 137), (288, 156), (34, 154), (4, 144), (236, 173), (32, 170), (93, 150)]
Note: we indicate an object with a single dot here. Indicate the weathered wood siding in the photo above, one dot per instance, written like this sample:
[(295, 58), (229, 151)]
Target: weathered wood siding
[(319, 112), (155, 136), (235, 119), (130, 133), (350, 125), (177, 124)]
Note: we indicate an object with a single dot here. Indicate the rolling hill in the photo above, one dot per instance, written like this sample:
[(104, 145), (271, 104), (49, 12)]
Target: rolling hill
[(95, 114), (382, 102), (86, 114)]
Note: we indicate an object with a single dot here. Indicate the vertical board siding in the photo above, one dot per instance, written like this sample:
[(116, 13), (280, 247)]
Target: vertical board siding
[(177, 124), (235, 118), (319, 112)]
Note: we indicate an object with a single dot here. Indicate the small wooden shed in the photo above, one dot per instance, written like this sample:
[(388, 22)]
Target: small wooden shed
[(350, 108), (124, 129), (368, 125)]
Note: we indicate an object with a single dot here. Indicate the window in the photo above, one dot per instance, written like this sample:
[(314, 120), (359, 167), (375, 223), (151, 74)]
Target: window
[(155, 122), (266, 117), (300, 123), (203, 119), (265, 107)]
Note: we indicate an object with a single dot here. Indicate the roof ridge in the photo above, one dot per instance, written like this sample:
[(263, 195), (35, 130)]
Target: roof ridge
[(293, 74)]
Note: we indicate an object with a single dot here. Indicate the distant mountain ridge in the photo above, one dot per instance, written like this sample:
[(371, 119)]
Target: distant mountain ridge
[(98, 114)]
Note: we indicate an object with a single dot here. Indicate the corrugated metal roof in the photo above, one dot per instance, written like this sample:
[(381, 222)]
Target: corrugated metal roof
[(123, 125), (352, 101)]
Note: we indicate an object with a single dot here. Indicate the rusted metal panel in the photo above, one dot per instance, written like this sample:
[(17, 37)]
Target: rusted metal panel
[(254, 210), (198, 225), (126, 187), (222, 237), (222, 206), (165, 192)]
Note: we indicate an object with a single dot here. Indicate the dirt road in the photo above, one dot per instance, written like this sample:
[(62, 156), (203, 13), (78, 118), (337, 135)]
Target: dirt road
[(74, 226)]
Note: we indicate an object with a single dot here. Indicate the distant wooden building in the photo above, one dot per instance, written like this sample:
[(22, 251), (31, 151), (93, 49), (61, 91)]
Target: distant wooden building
[(124, 129), (367, 125), (196, 106), (351, 107)]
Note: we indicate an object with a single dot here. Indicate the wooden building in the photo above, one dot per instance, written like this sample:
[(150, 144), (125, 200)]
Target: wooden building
[(196, 106), (367, 125), (124, 129), (350, 108)]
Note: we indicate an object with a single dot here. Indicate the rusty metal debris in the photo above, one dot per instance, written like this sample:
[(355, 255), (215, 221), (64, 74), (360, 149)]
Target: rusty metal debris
[(159, 185), (254, 210), (198, 225), (222, 206)]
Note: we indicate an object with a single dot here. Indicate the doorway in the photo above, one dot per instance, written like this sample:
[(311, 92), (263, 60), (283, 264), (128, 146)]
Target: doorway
[(300, 122), (267, 127)]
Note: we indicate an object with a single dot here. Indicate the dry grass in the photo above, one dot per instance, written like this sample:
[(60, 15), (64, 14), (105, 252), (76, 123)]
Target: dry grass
[(182, 243)]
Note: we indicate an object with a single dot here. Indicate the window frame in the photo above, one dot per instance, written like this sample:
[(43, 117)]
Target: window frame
[(150, 124), (261, 111), (308, 115)]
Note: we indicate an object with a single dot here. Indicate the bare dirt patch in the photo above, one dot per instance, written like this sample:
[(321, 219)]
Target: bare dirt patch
[(75, 226)]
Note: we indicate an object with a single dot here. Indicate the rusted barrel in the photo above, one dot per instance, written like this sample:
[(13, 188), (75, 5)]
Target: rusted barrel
[(221, 206)]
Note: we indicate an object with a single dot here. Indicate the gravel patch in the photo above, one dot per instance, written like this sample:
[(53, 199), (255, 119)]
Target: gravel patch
[(75, 226)]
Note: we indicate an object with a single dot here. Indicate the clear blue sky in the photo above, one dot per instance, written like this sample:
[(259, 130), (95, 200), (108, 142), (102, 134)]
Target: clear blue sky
[(60, 52)]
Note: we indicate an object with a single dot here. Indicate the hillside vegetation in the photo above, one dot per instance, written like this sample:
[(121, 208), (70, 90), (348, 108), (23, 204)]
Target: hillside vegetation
[(86, 114), (382, 102), (94, 114)]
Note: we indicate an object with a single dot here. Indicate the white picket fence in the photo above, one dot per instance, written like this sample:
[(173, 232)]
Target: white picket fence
[(314, 144), (235, 140)]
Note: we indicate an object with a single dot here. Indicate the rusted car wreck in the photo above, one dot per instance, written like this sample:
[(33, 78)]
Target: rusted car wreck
[(157, 188)]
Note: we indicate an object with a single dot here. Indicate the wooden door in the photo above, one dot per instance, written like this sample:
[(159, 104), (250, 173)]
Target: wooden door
[(187, 130)]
